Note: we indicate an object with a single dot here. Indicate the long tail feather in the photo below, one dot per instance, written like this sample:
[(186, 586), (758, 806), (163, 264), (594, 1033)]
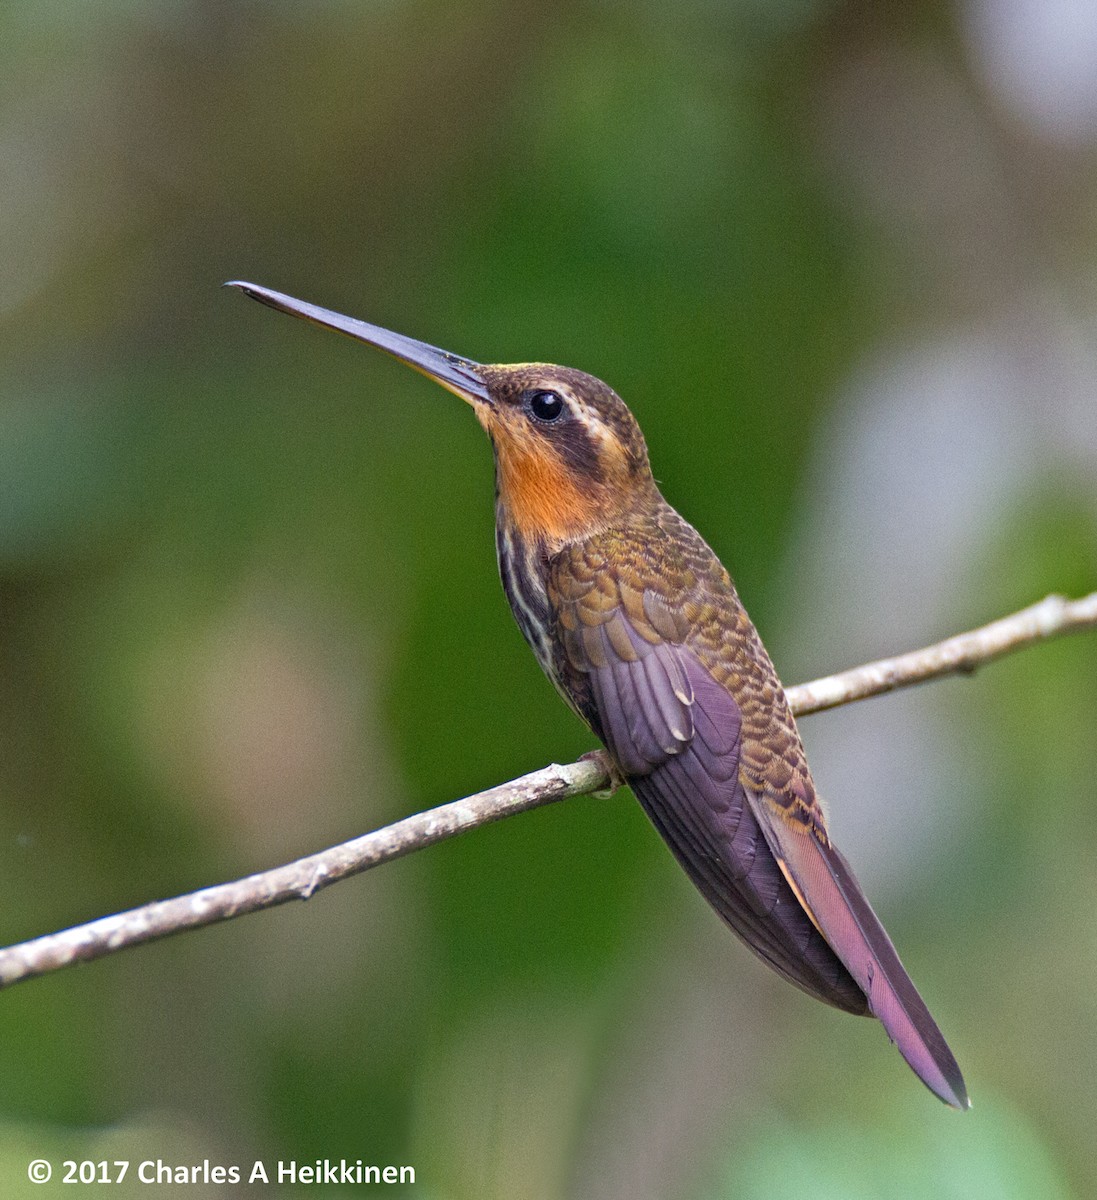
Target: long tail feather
[(833, 899)]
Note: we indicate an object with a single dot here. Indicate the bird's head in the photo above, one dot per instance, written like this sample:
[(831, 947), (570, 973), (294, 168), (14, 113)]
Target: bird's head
[(570, 458)]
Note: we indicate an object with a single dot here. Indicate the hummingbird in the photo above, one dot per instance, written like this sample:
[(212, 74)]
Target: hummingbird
[(638, 624)]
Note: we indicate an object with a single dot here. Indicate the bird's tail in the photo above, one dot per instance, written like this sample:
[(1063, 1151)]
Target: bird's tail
[(824, 884)]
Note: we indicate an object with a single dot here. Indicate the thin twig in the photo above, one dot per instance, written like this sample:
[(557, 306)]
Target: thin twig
[(958, 655), (301, 879), (297, 880)]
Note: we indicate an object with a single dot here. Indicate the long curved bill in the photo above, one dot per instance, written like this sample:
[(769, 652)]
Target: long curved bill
[(461, 376)]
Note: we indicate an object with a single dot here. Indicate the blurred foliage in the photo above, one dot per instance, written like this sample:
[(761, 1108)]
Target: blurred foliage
[(250, 607), (997, 1156)]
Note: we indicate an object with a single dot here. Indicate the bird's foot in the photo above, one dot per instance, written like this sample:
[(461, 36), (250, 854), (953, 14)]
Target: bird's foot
[(605, 760)]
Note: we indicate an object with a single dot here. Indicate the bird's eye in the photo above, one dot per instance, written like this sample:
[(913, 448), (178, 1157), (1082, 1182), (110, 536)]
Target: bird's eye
[(545, 406)]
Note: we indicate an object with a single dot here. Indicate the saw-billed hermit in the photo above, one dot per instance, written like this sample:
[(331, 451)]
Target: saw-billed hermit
[(639, 626)]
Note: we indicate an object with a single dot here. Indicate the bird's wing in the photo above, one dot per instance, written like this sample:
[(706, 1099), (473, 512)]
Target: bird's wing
[(676, 735), (761, 857)]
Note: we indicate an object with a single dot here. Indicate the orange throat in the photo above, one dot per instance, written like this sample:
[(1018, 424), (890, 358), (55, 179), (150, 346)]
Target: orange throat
[(541, 496)]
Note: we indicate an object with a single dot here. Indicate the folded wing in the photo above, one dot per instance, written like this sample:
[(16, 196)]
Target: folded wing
[(776, 881), (676, 735)]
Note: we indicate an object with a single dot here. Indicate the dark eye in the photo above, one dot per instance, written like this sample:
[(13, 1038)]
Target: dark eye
[(545, 406)]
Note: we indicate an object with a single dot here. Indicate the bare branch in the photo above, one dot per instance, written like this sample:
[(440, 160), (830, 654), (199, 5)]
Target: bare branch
[(297, 880), (958, 655), (301, 879)]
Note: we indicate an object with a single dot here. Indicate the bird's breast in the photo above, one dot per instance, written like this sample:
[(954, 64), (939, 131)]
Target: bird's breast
[(524, 571)]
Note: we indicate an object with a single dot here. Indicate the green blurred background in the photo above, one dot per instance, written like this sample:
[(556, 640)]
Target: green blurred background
[(838, 258)]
